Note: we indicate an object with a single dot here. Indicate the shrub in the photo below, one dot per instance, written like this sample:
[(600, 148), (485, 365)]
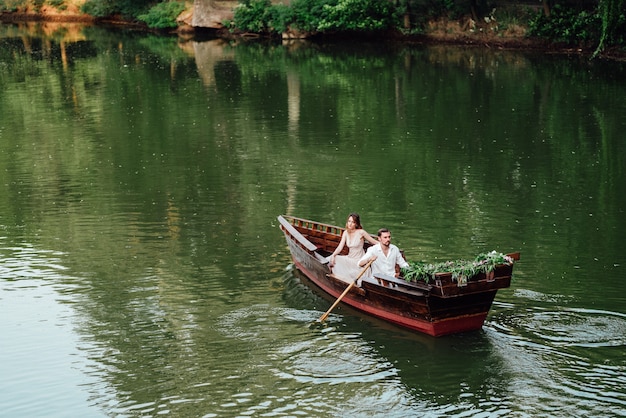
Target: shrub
[(566, 25), (307, 14), (105, 8), (253, 16), (57, 4), (163, 15), (357, 15), (8, 6), (260, 16)]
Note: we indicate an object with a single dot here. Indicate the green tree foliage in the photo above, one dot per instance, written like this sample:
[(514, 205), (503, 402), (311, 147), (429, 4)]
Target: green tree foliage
[(126, 8), (254, 16), (307, 14), (261, 16), (613, 16), (163, 15), (18, 5), (566, 25), (357, 15), (604, 25)]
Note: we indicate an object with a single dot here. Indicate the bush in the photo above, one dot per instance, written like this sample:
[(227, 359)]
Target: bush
[(307, 14), (566, 25), (253, 16), (105, 8), (8, 6), (57, 4), (357, 15), (260, 16), (163, 15)]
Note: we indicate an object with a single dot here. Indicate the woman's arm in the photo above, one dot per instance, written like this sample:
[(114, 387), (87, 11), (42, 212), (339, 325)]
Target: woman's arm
[(339, 248), (367, 237)]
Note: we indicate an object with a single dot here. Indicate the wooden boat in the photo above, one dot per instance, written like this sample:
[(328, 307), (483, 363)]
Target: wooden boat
[(441, 307)]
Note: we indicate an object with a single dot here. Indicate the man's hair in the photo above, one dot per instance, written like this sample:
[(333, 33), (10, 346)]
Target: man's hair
[(381, 230)]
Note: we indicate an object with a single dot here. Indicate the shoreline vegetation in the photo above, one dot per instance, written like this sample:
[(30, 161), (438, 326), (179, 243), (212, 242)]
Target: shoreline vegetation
[(550, 29)]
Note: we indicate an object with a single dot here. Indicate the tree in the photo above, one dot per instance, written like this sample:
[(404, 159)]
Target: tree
[(613, 16)]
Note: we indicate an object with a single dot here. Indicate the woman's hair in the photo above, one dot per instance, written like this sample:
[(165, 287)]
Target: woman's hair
[(357, 220)]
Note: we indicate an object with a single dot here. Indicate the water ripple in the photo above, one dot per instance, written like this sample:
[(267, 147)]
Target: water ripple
[(571, 327), (300, 353), (28, 262), (567, 353), (38, 350), (320, 355)]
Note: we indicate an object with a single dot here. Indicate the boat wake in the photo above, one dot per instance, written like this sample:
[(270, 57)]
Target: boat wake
[(562, 326), (578, 327), (304, 353), (555, 352)]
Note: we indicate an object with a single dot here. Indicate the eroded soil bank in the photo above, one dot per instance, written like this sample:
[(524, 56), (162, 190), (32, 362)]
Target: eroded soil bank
[(453, 32)]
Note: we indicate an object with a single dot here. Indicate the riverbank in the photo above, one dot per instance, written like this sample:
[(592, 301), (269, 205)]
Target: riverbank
[(452, 32)]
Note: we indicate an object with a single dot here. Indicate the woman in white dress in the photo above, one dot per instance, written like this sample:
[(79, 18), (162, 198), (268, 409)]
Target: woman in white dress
[(354, 236)]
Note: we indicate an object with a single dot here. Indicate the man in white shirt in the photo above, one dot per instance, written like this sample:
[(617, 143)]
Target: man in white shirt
[(384, 254)]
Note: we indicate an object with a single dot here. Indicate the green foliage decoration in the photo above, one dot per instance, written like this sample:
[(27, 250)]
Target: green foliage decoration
[(163, 15), (483, 263)]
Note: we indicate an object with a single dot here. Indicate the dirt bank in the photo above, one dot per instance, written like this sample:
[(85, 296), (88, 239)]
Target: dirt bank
[(457, 32)]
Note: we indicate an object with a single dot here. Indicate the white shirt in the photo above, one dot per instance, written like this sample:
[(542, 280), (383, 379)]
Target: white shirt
[(384, 264)]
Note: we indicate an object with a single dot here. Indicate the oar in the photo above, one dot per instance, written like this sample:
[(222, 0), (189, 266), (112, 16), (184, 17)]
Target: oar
[(323, 317)]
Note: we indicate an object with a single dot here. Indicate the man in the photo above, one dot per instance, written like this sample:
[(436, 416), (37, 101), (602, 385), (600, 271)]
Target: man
[(385, 255)]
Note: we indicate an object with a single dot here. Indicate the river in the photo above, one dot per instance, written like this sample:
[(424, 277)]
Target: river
[(143, 273)]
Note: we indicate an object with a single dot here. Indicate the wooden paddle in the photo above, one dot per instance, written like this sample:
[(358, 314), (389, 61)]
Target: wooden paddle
[(323, 317)]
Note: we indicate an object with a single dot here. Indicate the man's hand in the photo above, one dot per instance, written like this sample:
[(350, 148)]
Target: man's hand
[(371, 259)]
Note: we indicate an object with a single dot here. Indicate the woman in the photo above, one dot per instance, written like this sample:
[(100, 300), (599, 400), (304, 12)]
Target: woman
[(354, 236)]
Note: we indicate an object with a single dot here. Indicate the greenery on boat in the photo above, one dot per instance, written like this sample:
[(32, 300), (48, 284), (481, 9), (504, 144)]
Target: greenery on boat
[(483, 263)]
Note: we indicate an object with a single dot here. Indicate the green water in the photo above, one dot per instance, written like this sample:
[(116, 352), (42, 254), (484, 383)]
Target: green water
[(142, 271)]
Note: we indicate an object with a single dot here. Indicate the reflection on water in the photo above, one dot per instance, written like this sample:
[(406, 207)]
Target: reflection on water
[(563, 352), (518, 365), (143, 273), (325, 369), (40, 352), (276, 359), (579, 327)]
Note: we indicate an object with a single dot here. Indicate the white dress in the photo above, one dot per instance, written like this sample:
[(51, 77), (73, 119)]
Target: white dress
[(346, 266)]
